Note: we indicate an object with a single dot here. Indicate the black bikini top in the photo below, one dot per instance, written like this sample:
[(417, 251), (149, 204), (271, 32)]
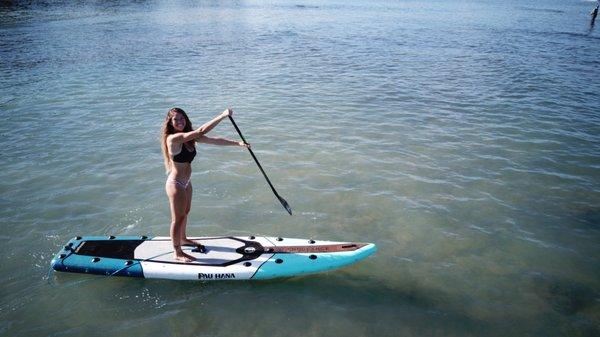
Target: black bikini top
[(185, 156)]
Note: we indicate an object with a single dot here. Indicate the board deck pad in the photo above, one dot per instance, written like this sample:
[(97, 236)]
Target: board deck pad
[(220, 251), (226, 258)]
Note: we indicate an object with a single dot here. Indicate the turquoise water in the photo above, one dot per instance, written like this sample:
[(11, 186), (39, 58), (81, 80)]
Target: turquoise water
[(463, 138)]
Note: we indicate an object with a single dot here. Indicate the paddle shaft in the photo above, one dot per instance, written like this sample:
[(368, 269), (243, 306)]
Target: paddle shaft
[(283, 202)]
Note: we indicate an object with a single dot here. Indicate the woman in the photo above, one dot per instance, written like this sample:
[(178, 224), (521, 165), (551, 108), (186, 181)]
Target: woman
[(178, 146)]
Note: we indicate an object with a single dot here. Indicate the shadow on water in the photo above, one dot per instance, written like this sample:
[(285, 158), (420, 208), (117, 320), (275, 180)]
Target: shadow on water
[(590, 217), (364, 290), (313, 302), (357, 291), (411, 305), (564, 296)]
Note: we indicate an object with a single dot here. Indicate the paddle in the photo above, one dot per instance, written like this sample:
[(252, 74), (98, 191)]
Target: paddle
[(281, 200)]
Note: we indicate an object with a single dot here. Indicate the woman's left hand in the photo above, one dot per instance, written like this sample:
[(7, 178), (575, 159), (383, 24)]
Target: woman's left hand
[(246, 145)]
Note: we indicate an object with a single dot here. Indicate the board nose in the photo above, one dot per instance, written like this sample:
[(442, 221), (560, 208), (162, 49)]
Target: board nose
[(368, 249)]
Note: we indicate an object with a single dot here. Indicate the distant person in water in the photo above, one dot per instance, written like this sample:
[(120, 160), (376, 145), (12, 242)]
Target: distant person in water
[(178, 140), (594, 14)]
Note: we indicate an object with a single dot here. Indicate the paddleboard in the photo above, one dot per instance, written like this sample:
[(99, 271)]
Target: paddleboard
[(227, 257)]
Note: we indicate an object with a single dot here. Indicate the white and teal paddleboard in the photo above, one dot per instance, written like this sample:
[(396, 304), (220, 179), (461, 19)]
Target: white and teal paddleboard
[(227, 258)]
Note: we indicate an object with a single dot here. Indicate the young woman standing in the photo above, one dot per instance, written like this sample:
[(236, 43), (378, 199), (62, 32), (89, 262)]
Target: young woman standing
[(178, 140)]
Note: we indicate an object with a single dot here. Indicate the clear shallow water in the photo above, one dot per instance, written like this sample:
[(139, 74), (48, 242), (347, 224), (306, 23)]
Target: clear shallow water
[(462, 138)]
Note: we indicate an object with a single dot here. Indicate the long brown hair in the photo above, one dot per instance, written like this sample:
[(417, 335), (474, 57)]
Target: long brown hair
[(167, 129)]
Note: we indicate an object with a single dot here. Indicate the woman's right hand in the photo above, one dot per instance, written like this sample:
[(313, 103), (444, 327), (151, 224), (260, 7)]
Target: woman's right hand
[(227, 113)]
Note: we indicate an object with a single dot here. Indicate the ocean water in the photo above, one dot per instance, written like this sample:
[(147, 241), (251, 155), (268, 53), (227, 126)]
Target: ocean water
[(462, 137)]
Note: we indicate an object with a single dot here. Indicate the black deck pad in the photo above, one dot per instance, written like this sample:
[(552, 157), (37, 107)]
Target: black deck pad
[(117, 249)]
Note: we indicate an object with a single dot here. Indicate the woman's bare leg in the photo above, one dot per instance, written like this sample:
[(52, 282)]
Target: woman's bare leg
[(178, 202), (184, 238)]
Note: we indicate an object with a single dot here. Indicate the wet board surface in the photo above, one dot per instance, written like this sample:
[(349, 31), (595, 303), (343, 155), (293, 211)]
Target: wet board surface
[(226, 258)]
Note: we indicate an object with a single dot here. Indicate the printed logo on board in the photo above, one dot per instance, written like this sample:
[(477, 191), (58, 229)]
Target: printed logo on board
[(202, 276)]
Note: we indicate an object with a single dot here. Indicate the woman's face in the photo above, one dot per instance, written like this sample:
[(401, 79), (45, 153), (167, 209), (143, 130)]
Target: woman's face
[(178, 122)]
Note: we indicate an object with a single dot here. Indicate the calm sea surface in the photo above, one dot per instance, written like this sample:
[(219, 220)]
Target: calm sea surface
[(462, 137)]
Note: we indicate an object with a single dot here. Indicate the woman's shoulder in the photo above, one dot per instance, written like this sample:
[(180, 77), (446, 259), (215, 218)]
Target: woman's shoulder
[(172, 138)]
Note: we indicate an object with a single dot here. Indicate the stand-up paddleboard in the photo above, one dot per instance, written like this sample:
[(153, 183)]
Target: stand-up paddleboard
[(227, 258)]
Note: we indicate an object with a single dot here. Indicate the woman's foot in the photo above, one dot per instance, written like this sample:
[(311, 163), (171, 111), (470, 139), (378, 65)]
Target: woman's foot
[(179, 255), (199, 247)]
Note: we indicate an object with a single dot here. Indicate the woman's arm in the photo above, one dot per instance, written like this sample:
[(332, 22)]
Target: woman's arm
[(206, 127), (184, 137), (221, 141)]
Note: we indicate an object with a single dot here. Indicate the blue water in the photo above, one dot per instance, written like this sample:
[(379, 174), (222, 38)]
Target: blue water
[(462, 137)]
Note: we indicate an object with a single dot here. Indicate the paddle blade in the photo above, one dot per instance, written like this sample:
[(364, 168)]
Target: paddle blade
[(285, 205)]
